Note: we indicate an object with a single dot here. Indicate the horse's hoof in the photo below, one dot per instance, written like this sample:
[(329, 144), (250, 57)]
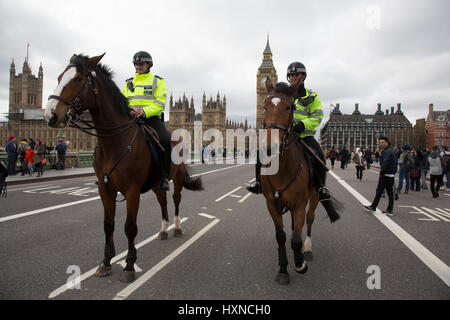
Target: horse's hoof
[(127, 276), (308, 255), (163, 235), (282, 278), (302, 269), (103, 271), (177, 233)]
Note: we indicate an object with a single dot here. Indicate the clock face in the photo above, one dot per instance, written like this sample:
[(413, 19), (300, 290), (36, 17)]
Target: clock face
[(263, 81)]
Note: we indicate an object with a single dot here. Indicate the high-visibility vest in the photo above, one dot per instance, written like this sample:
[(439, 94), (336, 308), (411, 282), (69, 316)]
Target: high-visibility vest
[(309, 111), (150, 93)]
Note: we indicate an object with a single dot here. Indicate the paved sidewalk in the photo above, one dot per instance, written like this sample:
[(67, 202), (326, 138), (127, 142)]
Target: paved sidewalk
[(49, 175)]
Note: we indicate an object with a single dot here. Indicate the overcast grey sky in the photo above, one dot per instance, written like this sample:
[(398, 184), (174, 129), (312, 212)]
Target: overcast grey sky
[(364, 52)]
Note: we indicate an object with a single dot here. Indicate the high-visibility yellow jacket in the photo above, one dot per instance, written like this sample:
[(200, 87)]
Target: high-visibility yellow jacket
[(150, 93), (309, 111)]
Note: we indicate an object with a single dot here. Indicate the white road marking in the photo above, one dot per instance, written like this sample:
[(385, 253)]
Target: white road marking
[(217, 170), (252, 180), (431, 261), (33, 187), (35, 190), (245, 197), (206, 215), (30, 213), (91, 272), (230, 210), (229, 193), (122, 295)]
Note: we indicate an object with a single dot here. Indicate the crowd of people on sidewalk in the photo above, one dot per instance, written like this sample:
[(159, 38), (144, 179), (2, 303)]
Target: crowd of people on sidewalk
[(32, 156), (413, 166)]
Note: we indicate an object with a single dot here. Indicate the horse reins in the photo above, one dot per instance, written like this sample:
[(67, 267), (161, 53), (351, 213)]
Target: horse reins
[(288, 140)]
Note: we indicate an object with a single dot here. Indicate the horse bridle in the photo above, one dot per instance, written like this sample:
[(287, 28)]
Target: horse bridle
[(277, 125), (75, 107), (288, 129)]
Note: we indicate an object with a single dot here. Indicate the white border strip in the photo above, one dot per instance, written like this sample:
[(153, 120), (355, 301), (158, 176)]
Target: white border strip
[(229, 193), (431, 261), (122, 295), (29, 213)]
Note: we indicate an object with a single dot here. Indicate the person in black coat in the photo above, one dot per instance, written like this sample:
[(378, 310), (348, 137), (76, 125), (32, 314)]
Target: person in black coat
[(388, 168)]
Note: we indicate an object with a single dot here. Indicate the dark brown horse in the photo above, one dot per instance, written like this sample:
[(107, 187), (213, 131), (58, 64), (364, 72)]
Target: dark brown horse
[(291, 188), (123, 160)]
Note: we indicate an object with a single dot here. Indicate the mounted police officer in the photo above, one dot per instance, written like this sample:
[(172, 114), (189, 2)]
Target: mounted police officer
[(307, 117), (147, 95)]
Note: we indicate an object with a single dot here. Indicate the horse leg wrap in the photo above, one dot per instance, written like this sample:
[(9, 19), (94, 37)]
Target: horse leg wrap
[(282, 259), (296, 245)]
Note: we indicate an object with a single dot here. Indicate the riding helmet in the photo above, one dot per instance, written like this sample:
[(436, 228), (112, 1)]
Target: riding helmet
[(295, 67), (143, 56)]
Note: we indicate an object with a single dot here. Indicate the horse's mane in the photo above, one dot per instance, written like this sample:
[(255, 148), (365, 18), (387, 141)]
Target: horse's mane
[(106, 74), (283, 87)]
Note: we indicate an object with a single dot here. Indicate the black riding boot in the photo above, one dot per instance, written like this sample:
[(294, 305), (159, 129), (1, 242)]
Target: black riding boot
[(256, 186), (165, 174), (322, 189)]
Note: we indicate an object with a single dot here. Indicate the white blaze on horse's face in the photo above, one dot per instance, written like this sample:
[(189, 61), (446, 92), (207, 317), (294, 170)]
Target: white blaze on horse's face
[(276, 101), (52, 103)]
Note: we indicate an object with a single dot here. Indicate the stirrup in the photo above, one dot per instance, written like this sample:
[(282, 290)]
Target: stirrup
[(324, 194), (164, 185), (255, 188)]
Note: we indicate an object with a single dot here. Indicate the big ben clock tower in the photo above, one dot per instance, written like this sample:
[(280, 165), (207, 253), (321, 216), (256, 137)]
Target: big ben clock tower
[(265, 70)]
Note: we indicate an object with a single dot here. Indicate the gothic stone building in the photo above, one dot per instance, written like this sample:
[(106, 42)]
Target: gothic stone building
[(363, 130), (26, 116), (182, 115)]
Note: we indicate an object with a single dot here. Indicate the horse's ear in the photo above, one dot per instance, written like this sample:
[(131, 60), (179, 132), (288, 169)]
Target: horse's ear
[(73, 58), (94, 61), (268, 84)]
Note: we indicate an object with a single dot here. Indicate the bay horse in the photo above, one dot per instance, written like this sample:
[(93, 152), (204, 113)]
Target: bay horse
[(291, 188), (123, 160)]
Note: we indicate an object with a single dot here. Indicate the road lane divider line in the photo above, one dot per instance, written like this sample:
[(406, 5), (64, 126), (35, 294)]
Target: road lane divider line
[(116, 258), (245, 197), (206, 215), (229, 193), (217, 170), (33, 212), (431, 261), (125, 293), (33, 187)]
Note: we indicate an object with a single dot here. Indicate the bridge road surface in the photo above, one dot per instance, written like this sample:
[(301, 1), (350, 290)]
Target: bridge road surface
[(228, 250)]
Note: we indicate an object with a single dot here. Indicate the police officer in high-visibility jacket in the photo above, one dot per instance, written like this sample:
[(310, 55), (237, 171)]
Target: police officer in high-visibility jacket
[(307, 118), (147, 95)]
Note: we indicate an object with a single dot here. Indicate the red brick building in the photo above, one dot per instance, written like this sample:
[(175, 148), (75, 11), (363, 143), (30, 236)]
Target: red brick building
[(437, 128)]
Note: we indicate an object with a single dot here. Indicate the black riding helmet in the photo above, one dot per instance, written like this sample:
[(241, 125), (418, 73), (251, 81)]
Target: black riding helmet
[(143, 56), (295, 67)]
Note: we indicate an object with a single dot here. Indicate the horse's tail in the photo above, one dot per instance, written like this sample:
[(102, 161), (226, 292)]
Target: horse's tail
[(333, 207), (192, 184)]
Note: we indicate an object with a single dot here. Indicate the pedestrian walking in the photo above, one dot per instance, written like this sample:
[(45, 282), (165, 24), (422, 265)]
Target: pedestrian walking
[(344, 156), (22, 151), (333, 156), (61, 149), (437, 166), (405, 162), (358, 160), (388, 168), (414, 173), (368, 157), (39, 153), (11, 149), (446, 157), (424, 169), (29, 157)]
